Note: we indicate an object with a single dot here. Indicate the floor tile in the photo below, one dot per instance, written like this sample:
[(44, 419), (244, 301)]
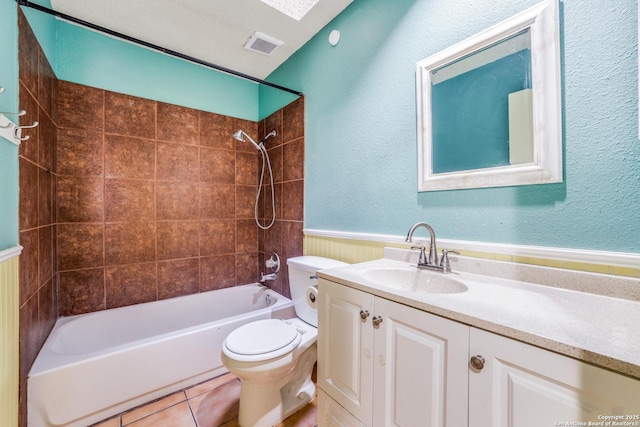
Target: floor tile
[(210, 385), (214, 408), (213, 403), (231, 423), (305, 417), (176, 416), (152, 407)]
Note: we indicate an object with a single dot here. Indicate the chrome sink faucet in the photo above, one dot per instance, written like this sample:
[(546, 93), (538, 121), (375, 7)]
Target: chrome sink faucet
[(430, 262), (433, 251)]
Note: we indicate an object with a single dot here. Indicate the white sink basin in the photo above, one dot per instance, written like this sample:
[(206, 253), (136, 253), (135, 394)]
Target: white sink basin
[(412, 279)]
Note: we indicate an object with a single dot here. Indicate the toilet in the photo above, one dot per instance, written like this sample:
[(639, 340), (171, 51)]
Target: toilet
[(274, 358)]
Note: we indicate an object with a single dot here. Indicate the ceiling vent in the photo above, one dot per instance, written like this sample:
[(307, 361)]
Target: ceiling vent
[(262, 43)]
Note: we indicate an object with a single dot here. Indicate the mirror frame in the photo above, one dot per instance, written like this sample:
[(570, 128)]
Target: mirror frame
[(543, 22)]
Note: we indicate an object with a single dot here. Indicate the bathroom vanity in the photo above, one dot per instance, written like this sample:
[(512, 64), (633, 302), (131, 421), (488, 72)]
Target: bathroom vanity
[(398, 346)]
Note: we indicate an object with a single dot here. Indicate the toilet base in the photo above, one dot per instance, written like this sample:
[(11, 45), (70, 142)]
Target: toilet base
[(263, 406)]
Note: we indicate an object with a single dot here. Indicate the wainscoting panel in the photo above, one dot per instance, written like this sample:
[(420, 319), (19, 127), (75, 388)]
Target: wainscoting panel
[(9, 340)]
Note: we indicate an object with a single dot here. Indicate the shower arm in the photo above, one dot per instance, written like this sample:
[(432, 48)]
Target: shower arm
[(240, 136)]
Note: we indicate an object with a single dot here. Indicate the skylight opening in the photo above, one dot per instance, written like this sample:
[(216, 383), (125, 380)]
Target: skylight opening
[(295, 9)]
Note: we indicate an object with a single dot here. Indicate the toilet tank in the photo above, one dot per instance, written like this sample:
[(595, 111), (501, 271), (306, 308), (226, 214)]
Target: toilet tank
[(302, 270)]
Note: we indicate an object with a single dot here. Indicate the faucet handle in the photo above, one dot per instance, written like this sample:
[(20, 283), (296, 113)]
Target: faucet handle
[(423, 255), (444, 262)]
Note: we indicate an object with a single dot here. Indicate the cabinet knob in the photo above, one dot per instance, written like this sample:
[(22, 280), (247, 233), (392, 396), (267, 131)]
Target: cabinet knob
[(364, 314), (477, 362), (376, 321)]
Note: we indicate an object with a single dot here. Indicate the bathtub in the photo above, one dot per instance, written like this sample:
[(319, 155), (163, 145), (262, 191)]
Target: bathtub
[(96, 365)]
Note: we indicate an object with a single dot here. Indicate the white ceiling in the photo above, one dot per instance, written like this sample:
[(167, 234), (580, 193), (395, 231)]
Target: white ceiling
[(211, 30)]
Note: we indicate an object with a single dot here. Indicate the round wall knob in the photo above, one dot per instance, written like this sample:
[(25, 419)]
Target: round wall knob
[(376, 321), (477, 362), (364, 314)]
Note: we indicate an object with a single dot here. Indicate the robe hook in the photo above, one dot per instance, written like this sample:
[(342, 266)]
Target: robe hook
[(17, 131)]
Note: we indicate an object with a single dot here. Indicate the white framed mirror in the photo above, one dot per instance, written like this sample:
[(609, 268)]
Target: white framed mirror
[(489, 108)]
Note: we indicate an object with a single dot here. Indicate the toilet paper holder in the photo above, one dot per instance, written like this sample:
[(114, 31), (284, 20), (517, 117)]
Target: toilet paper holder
[(312, 296)]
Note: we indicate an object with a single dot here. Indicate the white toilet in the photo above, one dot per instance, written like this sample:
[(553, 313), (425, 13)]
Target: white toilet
[(274, 358)]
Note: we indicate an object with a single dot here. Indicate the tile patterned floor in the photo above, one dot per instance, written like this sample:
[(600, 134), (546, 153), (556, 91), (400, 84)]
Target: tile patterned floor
[(213, 403)]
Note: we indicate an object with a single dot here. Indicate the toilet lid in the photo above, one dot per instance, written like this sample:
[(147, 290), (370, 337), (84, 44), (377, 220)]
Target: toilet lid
[(263, 336)]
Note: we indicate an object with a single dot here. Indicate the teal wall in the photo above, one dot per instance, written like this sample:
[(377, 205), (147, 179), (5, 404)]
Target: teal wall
[(44, 26), (86, 57), (93, 59), (8, 102), (361, 167)]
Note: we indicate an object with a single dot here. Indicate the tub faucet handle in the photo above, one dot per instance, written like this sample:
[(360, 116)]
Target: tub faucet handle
[(273, 263)]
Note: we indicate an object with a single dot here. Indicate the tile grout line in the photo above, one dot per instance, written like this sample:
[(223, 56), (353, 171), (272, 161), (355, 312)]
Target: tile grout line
[(193, 415)]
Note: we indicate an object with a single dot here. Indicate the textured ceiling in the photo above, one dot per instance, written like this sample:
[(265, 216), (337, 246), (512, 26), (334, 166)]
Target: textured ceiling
[(211, 30)]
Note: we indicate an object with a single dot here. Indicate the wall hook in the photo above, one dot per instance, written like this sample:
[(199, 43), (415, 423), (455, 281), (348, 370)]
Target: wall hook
[(17, 132)]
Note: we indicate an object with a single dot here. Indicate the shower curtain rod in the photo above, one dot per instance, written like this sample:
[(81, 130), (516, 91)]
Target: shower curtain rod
[(152, 46)]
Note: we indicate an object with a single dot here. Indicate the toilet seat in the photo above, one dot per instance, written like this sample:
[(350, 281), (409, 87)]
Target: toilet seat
[(261, 340)]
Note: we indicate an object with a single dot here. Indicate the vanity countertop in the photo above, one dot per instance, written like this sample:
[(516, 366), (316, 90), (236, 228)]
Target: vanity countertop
[(601, 330)]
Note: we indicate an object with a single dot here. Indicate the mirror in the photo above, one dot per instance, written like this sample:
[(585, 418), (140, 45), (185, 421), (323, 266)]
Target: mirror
[(488, 107)]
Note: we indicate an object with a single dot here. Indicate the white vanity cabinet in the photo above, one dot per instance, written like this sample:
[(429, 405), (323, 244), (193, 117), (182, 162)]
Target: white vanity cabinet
[(388, 364), (381, 363), (522, 385)]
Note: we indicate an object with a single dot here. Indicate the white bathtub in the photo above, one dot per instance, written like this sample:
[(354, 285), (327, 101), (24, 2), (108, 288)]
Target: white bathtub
[(96, 365)]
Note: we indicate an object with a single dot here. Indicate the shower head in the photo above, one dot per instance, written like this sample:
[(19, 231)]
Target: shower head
[(240, 136)]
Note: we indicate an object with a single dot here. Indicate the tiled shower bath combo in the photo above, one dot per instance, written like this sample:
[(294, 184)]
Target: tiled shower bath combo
[(126, 200)]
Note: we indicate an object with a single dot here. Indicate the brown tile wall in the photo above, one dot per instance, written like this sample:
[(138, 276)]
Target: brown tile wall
[(286, 152), (37, 203), (156, 200)]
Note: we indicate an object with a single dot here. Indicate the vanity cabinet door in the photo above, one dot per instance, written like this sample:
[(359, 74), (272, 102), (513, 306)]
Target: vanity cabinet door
[(345, 347), (524, 386), (420, 368)]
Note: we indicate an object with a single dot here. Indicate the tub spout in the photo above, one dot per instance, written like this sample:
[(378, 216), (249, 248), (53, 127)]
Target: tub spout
[(265, 277)]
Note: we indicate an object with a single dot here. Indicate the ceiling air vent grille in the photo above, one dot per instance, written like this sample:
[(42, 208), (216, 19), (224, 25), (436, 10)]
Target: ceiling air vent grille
[(262, 43)]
